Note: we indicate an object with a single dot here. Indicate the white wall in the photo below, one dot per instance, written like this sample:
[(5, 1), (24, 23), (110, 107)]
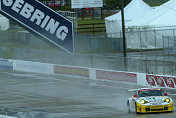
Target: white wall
[(37, 67), (95, 74)]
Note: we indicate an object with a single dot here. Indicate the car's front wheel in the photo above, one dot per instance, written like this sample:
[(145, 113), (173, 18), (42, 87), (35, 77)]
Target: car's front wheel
[(136, 108)]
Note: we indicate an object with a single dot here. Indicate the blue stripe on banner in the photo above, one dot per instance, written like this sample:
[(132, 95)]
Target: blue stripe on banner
[(6, 64)]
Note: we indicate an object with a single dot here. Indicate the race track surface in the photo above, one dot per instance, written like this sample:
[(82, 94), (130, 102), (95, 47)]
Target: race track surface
[(31, 95)]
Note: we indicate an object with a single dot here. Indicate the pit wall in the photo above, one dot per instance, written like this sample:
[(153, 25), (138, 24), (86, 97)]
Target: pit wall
[(91, 73)]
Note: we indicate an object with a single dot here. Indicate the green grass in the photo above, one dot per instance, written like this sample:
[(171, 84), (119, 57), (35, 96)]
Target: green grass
[(89, 21), (8, 54), (88, 24)]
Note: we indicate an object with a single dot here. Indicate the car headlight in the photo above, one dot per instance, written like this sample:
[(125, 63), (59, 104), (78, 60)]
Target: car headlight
[(167, 100), (143, 101)]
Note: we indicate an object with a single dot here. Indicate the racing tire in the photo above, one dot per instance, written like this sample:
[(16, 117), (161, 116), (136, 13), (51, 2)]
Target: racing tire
[(136, 108), (128, 105), (170, 111)]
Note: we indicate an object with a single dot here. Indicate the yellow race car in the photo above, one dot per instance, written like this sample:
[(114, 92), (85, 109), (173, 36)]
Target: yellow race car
[(148, 100)]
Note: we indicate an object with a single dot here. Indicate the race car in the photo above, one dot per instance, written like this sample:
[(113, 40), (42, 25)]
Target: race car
[(148, 100)]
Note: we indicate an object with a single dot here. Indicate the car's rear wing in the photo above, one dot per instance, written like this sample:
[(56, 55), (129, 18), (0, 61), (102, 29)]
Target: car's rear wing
[(132, 90)]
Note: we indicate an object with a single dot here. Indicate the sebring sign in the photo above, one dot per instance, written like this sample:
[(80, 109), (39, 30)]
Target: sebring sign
[(42, 20)]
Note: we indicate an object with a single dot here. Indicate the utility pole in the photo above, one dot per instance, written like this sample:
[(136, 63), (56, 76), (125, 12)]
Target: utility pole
[(123, 29), (124, 40), (54, 5)]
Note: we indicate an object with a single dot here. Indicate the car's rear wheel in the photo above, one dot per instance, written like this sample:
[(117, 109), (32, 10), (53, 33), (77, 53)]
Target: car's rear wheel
[(128, 105)]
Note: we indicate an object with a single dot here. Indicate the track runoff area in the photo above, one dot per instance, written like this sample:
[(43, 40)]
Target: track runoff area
[(49, 96)]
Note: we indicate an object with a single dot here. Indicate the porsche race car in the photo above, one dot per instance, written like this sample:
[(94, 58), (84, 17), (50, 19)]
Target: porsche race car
[(150, 100)]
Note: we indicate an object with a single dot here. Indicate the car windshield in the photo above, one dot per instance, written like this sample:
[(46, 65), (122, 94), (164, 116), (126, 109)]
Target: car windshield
[(150, 93)]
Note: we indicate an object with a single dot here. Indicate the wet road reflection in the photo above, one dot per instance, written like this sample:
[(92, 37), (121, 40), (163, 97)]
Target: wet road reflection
[(29, 95)]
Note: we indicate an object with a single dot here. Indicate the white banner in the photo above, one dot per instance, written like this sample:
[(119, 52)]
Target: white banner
[(86, 3)]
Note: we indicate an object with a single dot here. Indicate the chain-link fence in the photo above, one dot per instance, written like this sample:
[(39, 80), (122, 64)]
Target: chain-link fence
[(169, 45), (97, 43), (136, 39), (94, 51)]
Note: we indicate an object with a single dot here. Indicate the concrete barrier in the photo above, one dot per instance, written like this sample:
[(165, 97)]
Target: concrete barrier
[(141, 79), (91, 73), (37, 67), (4, 116)]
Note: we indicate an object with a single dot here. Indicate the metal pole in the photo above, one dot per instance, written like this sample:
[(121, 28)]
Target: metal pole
[(123, 34), (174, 41), (102, 13), (54, 5), (123, 30), (155, 36), (82, 13), (93, 12), (164, 49)]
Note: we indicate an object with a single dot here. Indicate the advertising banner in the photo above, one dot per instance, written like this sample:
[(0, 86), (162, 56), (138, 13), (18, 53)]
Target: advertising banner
[(83, 72), (86, 3), (41, 20), (116, 76), (6, 64), (161, 81)]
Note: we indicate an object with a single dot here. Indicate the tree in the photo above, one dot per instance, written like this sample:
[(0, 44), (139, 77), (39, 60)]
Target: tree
[(114, 4)]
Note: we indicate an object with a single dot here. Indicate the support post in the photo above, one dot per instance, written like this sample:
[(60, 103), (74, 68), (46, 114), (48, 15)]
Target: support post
[(93, 13), (82, 13), (102, 13), (123, 30), (54, 5), (123, 34)]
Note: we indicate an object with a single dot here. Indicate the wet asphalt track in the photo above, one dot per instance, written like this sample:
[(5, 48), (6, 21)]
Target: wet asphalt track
[(29, 95)]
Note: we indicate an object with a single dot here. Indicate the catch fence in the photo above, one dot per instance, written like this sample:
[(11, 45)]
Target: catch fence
[(94, 51)]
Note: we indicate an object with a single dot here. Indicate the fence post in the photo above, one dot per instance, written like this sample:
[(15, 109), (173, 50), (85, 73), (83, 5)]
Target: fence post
[(140, 39), (146, 67), (93, 27), (172, 73), (155, 36), (163, 43), (174, 41)]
